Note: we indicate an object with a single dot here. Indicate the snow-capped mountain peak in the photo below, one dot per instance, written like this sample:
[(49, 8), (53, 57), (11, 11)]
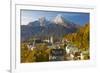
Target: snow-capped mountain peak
[(58, 19)]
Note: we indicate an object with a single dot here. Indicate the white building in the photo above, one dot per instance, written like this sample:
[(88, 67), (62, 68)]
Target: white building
[(31, 47)]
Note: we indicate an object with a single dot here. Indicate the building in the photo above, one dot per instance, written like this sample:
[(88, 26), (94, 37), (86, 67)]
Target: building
[(31, 46)]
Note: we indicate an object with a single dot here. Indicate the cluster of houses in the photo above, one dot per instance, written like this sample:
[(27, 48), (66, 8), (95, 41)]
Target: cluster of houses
[(32, 45), (71, 52), (68, 53)]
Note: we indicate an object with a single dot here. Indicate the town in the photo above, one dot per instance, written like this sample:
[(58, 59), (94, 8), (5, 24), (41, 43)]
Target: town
[(59, 49)]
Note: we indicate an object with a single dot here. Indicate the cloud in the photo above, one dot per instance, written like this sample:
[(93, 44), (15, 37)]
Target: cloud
[(26, 19)]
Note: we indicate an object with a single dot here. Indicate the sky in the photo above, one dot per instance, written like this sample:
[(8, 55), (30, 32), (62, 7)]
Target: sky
[(33, 15)]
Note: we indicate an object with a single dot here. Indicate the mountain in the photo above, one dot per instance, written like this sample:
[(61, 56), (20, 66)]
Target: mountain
[(57, 27), (59, 20)]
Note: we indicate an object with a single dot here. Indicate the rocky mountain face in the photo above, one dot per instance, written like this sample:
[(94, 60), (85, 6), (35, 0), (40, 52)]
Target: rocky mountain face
[(56, 27)]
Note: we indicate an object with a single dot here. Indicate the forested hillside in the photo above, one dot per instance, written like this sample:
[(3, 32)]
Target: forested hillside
[(80, 38)]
